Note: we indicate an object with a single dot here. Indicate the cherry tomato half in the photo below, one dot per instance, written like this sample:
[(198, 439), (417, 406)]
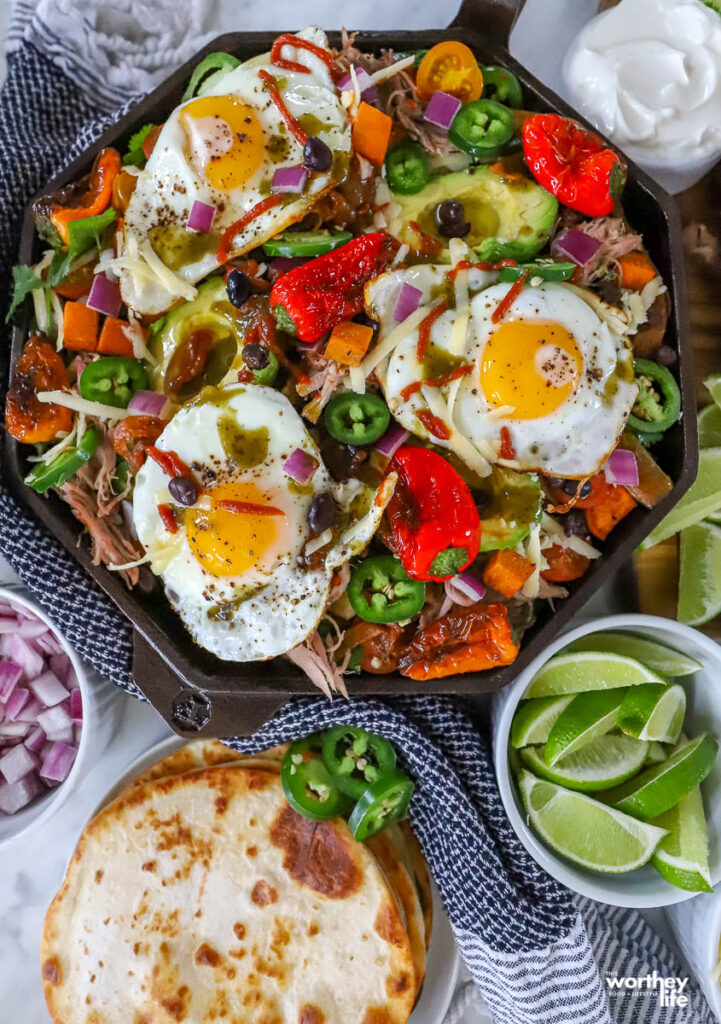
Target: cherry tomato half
[(450, 67)]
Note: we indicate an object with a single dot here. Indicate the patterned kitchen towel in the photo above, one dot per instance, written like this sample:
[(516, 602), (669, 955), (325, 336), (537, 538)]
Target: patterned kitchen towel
[(537, 954)]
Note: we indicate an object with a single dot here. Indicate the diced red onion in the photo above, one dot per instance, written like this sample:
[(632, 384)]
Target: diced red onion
[(55, 721), (621, 468), (300, 466), (62, 667), (392, 440), (48, 689), (17, 763), (149, 403), (465, 589), (409, 299), (31, 711), (24, 655), (201, 217), (441, 109), (576, 246), (105, 296), (31, 628), (76, 707), (11, 730), (18, 795), (10, 674), (47, 644), (58, 761), (36, 740), (289, 179), (8, 624), (368, 91), (16, 702)]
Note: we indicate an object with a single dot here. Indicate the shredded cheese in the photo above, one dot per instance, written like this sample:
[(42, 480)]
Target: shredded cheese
[(58, 313), (457, 442), (78, 404), (396, 336), (357, 380), (133, 332), (400, 255), (129, 565), (557, 535), (318, 542), (533, 553), (40, 306), (392, 69), (173, 282), (356, 86)]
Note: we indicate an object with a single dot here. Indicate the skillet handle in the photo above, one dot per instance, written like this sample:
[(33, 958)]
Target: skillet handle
[(494, 18), (191, 711)]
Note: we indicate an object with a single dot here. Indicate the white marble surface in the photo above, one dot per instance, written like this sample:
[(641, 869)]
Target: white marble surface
[(32, 868)]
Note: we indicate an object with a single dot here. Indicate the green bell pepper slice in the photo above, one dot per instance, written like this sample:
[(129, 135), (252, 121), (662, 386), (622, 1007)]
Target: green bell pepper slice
[(380, 590), (481, 125), (214, 64), (356, 419), (407, 168), (65, 465), (355, 758), (384, 803), (501, 85), (658, 404), (113, 380), (307, 783), (305, 243)]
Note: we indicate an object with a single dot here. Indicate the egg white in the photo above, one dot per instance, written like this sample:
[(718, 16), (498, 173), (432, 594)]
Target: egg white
[(269, 608), (572, 441), (173, 179)]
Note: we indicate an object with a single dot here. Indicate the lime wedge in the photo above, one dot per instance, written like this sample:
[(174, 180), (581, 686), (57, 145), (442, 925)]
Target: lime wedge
[(713, 383), (604, 762), (709, 426), (702, 497), (655, 656), (587, 716), (581, 671), (533, 720), (682, 855), (653, 712), (660, 788), (713, 517), (699, 578), (586, 831), (656, 754)]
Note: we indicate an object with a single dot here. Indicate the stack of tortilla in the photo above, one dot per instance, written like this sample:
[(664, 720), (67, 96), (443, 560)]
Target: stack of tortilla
[(199, 895)]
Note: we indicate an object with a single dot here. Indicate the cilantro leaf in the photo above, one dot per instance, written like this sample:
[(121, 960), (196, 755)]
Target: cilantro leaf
[(25, 281), (135, 153), (88, 230)]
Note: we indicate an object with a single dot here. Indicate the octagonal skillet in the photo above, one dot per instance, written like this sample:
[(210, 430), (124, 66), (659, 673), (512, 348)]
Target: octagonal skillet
[(192, 689)]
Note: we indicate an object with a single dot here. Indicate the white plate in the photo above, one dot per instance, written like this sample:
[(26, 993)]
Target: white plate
[(443, 958)]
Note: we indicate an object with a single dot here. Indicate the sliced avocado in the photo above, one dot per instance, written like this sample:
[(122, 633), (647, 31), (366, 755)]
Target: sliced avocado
[(510, 218), (509, 504), (210, 311)]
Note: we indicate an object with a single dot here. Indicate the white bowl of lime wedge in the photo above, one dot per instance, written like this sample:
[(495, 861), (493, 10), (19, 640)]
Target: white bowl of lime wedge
[(608, 764)]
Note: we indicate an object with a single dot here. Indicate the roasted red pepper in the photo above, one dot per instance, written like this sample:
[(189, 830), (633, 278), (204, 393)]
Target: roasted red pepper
[(572, 163), (39, 368), (435, 524), (465, 640), (100, 189), (168, 519), (310, 300)]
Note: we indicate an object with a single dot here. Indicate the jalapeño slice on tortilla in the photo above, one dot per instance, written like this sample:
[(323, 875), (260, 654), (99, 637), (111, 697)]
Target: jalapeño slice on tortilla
[(355, 758), (307, 784), (384, 803)]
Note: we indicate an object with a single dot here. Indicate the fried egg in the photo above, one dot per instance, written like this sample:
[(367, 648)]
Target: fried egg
[(244, 583), (555, 373), (223, 148)]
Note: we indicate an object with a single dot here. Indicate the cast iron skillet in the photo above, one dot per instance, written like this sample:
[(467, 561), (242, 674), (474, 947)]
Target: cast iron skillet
[(196, 692)]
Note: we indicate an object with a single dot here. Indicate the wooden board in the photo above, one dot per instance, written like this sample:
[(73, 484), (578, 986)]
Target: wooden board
[(657, 568)]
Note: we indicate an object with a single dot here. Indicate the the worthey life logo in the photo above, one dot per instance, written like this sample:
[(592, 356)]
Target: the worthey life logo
[(669, 991)]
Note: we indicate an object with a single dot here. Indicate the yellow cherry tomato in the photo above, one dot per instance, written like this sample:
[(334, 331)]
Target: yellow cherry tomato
[(450, 67)]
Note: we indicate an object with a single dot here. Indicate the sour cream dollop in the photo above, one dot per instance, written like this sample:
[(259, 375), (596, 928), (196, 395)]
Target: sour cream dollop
[(648, 74)]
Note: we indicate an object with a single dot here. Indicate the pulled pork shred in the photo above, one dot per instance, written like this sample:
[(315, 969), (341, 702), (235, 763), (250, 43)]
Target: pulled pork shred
[(616, 239), (315, 660), (325, 377), (92, 501)]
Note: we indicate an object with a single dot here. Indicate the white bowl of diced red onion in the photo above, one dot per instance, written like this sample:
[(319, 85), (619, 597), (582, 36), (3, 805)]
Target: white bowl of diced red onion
[(44, 696)]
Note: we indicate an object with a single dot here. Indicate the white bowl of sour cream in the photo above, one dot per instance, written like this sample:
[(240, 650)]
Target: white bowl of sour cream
[(647, 73)]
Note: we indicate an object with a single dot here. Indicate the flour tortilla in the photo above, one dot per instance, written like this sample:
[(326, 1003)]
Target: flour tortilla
[(204, 894), (207, 754)]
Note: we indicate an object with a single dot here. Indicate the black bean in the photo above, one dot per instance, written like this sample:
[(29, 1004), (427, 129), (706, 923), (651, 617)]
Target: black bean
[(238, 286), (451, 218), (255, 356), (322, 512), (666, 356), (316, 155), (184, 490), (574, 523)]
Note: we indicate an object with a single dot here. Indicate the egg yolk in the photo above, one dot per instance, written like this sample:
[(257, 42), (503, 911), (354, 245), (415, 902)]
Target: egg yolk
[(531, 365), (225, 139), (229, 543)]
